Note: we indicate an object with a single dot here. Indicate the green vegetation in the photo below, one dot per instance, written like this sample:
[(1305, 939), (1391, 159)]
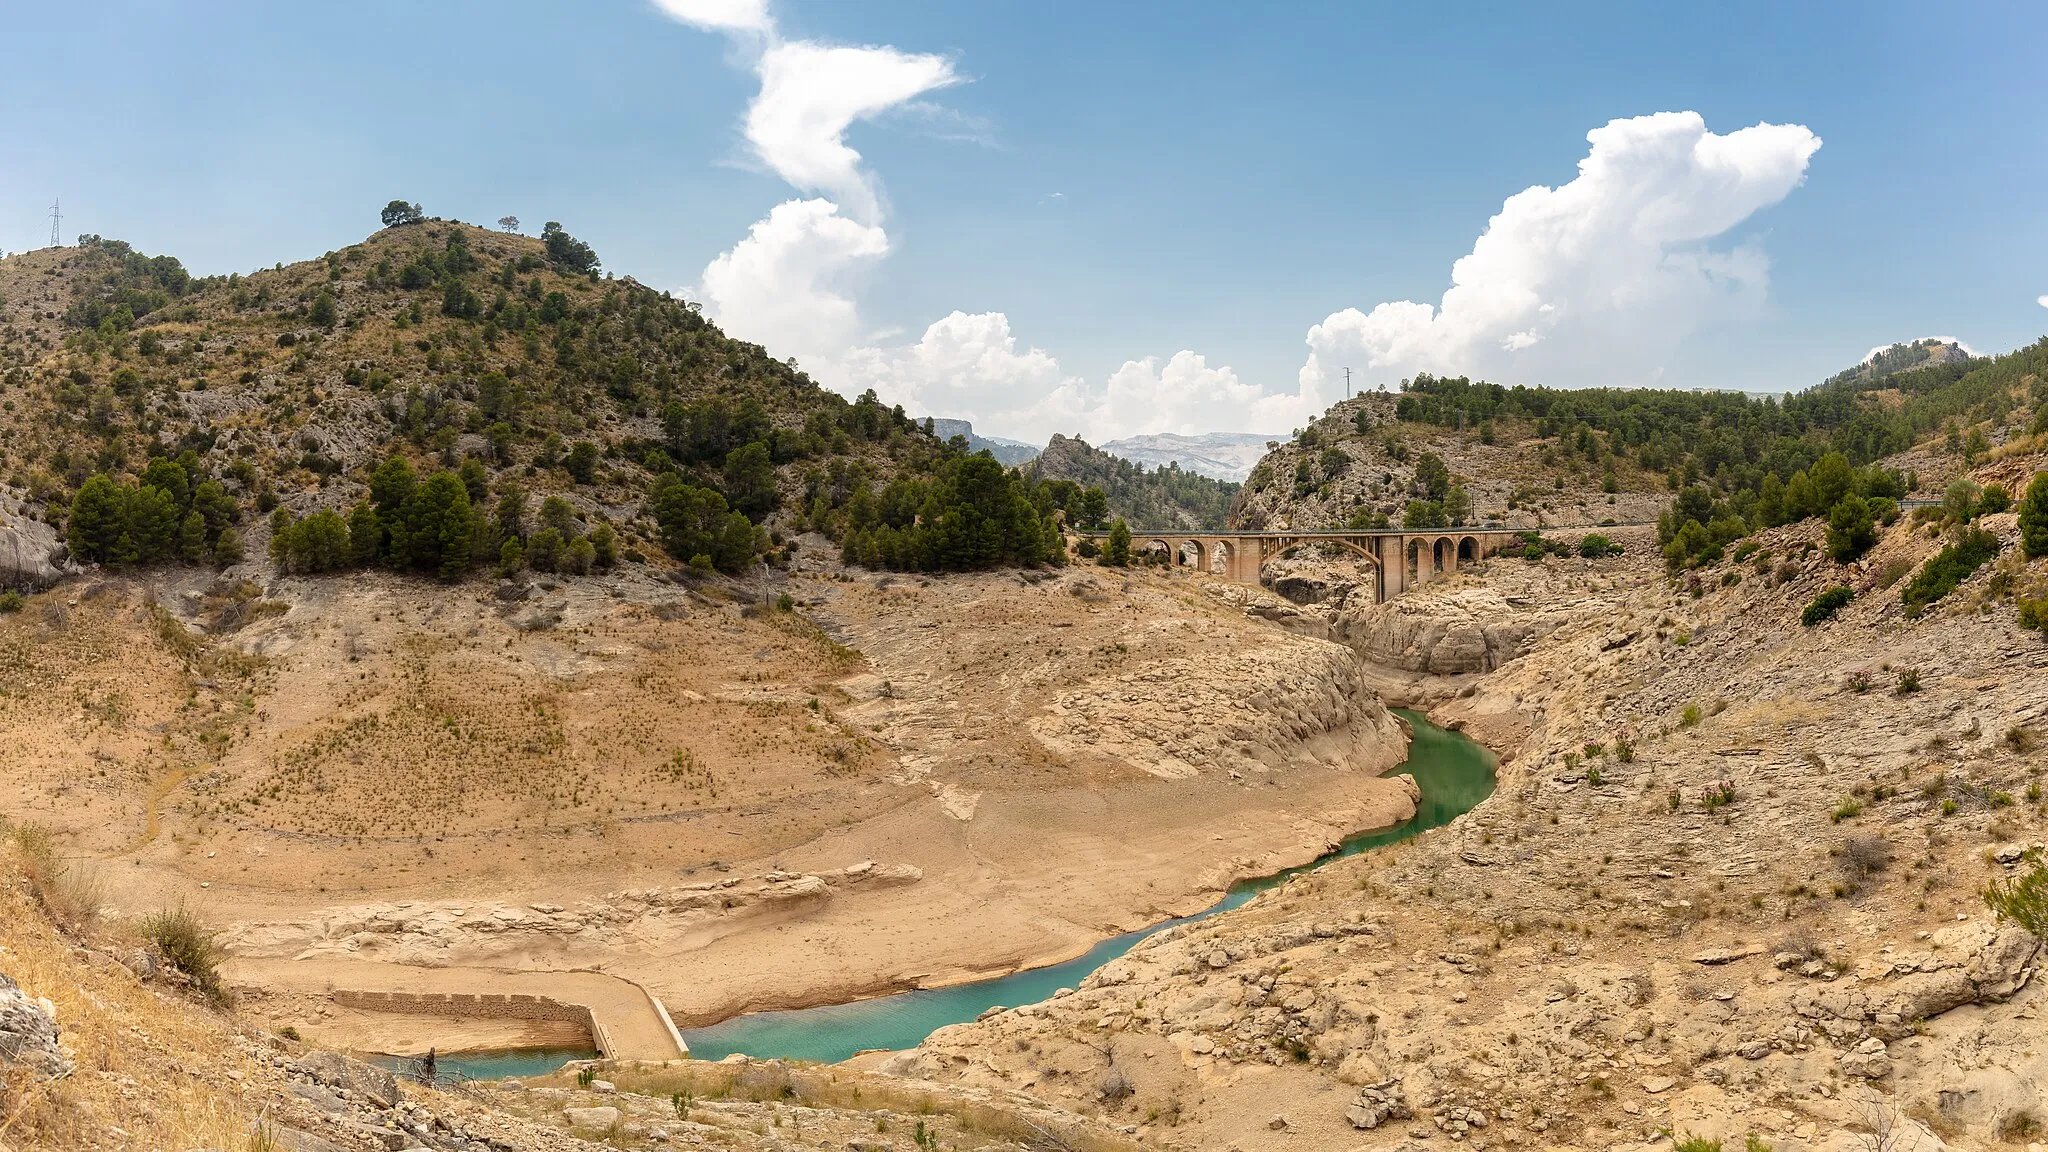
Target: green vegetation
[(971, 514), (1824, 606), (2023, 899), (188, 944), (1118, 551), (1739, 463), (174, 512), (1948, 568), (1162, 498), (2034, 517)]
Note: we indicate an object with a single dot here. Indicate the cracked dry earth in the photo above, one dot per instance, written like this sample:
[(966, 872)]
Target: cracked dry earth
[(1760, 920)]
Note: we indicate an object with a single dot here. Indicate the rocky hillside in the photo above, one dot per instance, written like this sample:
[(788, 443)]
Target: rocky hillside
[(1360, 466), (451, 347), (1165, 497)]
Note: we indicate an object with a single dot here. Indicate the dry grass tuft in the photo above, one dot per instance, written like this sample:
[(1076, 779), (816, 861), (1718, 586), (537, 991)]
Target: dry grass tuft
[(69, 891)]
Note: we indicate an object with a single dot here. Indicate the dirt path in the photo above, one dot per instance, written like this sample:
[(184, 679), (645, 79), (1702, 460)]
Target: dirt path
[(624, 1011)]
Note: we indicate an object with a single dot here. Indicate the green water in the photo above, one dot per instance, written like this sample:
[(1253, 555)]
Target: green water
[(1454, 773)]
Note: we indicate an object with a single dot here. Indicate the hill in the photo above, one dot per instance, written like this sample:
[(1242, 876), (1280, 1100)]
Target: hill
[(1165, 497), (524, 411)]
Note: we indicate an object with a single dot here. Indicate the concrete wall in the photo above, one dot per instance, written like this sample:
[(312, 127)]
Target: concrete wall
[(468, 1006)]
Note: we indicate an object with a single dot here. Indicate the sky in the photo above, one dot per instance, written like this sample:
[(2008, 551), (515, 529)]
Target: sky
[(1109, 219)]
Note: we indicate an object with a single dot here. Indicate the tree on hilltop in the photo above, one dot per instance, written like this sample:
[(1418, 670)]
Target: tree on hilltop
[(567, 252), (399, 212), (509, 223)]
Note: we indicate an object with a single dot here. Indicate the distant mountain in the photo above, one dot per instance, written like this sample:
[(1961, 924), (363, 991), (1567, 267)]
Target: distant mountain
[(1009, 453), (1160, 498), (1221, 455)]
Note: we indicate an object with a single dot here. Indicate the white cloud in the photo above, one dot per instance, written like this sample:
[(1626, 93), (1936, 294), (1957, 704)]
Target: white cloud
[(737, 16), (1592, 282), (1595, 281), (812, 93), (970, 367), (783, 285), (2042, 301)]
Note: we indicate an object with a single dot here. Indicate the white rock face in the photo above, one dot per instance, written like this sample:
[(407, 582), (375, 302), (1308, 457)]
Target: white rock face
[(1456, 632)]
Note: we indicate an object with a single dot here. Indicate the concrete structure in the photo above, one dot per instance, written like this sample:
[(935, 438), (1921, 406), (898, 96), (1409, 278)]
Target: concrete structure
[(625, 1020), (1401, 558)]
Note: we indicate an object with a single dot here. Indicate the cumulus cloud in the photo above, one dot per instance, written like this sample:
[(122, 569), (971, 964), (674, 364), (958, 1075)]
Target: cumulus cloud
[(1595, 281), (972, 367), (783, 286), (1592, 282), (812, 93), (2042, 301)]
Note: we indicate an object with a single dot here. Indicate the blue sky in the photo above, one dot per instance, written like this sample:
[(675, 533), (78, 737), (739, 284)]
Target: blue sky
[(1230, 179)]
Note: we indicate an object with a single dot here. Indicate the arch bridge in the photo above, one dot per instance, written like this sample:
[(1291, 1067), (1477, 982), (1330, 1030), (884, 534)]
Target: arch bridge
[(1400, 558)]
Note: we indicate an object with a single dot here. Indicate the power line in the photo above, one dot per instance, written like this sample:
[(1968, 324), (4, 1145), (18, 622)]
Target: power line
[(55, 217)]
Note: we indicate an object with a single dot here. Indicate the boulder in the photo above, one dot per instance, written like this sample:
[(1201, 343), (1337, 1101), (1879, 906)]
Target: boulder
[(28, 1035), (2004, 965), (31, 554), (365, 1080), (595, 1118), (1376, 1104)]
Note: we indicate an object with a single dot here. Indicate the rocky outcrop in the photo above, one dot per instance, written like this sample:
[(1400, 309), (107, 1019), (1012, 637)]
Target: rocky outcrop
[(32, 555), (1302, 701), (1453, 633), (28, 1034)]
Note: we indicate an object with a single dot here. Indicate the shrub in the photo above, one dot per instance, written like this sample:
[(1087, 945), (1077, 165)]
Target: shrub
[(1846, 810), (1852, 529), (1864, 856), (10, 601), (2023, 899), (1995, 500), (70, 892), (1690, 716), (1691, 1142), (1909, 681), (188, 944), (1824, 606), (1949, 568), (2034, 612), (1595, 546)]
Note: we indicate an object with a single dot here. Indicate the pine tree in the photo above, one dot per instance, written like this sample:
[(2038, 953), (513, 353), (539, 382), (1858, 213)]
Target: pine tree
[(192, 537), (2034, 517), (97, 520)]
